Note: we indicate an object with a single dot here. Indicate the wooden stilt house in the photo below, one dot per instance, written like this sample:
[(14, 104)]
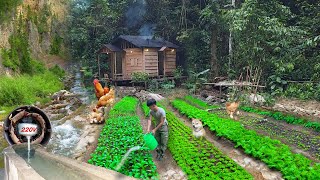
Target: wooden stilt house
[(129, 54)]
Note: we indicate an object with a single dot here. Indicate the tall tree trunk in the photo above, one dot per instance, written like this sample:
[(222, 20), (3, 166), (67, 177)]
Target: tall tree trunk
[(214, 59)]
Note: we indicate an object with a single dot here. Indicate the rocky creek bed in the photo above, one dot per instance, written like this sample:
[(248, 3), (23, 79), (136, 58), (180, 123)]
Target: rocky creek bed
[(73, 136)]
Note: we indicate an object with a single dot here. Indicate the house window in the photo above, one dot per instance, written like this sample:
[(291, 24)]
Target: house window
[(134, 61)]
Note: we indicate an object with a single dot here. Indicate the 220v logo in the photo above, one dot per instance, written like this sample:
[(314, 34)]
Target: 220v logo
[(28, 129)]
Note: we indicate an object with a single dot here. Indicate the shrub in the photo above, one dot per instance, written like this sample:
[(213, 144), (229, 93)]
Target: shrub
[(57, 71), (56, 45), (140, 76)]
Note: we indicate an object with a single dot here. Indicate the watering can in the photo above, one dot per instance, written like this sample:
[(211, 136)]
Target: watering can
[(150, 141)]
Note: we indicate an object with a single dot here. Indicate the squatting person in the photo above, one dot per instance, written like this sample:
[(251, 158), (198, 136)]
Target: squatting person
[(161, 129)]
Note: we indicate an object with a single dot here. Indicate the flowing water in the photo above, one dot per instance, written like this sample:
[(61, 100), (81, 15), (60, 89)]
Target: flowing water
[(65, 138), (65, 134), (47, 168), (125, 157), (78, 88)]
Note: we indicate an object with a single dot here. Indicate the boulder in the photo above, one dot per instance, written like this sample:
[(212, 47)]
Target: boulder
[(145, 95), (256, 98), (210, 98)]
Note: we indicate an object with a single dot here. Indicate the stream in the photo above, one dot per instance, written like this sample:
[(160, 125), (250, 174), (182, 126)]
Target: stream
[(67, 132)]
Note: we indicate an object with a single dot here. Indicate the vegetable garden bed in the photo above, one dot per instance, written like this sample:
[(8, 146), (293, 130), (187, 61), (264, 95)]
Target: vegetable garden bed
[(280, 116), (121, 132), (276, 115), (272, 152), (305, 140), (198, 158)]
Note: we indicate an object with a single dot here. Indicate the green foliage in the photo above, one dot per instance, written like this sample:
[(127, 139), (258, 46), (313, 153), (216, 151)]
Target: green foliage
[(18, 57), (167, 84), (268, 35), (303, 91), (42, 19), (87, 72), (27, 89), (196, 80), (7, 8), (91, 24), (55, 46), (199, 103), (277, 85), (178, 72), (272, 152), (198, 158), (6, 62), (121, 132), (57, 71), (37, 67), (152, 84), (140, 76)]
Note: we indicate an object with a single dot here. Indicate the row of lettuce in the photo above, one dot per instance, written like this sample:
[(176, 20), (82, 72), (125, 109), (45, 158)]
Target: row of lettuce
[(276, 115), (198, 158), (121, 132), (275, 154)]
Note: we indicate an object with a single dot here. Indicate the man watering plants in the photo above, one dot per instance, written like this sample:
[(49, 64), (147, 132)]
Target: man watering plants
[(161, 129)]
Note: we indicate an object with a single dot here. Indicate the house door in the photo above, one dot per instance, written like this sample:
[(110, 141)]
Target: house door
[(161, 63), (118, 63)]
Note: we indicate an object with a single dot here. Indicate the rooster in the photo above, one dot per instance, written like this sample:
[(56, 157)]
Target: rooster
[(99, 91), (106, 100), (106, 90)]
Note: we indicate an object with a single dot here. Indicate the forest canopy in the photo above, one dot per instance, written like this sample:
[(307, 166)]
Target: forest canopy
[(280, 37)]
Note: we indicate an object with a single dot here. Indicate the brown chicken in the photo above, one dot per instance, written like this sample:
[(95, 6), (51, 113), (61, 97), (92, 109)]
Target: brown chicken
[(106, 90), (97, 116), (232, 108), (98, 89), (107, 100)]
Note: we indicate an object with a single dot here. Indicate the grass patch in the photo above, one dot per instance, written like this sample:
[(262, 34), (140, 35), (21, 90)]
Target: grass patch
[(26, 89)]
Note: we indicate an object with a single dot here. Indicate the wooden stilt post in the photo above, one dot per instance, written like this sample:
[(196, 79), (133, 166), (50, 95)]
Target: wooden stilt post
[(98, 65)]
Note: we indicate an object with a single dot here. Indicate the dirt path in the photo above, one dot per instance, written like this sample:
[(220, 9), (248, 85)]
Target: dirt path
[(167, 168), (258, 169), (309, 109)]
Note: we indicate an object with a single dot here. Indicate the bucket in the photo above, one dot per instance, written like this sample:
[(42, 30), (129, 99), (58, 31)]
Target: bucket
[(150, 141)]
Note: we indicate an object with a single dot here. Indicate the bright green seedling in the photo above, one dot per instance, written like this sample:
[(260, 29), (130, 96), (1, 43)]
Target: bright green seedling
[(121, 132), (198, 158), (272, 152)]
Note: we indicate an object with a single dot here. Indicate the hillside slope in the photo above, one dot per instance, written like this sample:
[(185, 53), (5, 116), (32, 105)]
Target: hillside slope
[(43, 24)]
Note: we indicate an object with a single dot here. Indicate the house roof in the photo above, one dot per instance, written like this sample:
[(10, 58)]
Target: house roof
[(146, 41), (111, 47)]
